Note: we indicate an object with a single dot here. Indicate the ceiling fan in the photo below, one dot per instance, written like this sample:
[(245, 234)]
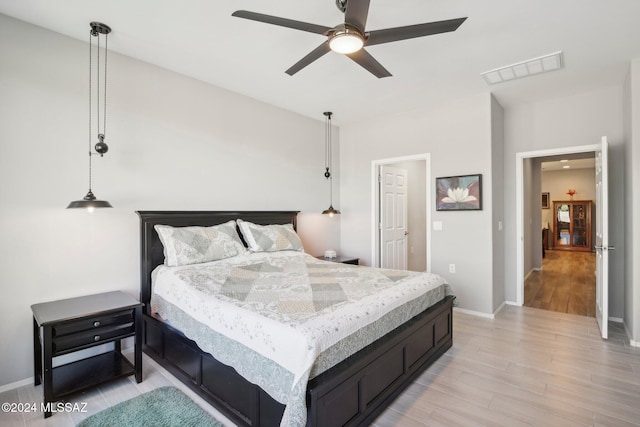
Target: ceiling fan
[(350, 38)]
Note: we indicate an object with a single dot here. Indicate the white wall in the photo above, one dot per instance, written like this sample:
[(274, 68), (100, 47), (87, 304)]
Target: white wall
[(576, 120), (458, 137), (532, 237), (497, 196), (632, 205), (175, 143)]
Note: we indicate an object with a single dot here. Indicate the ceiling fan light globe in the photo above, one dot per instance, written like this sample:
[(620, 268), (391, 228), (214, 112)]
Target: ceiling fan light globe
[(346, 42)]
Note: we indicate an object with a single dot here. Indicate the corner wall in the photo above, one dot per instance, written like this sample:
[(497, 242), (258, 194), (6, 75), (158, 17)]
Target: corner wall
[(497, 212), (632, 204)]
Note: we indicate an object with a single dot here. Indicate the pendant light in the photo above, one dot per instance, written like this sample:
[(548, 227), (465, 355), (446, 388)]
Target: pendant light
[(327, 163), (89, 201)]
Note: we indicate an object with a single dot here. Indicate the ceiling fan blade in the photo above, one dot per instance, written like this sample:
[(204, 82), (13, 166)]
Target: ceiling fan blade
[(283, 22), (412, 31), (356, 13), (312, 56), (368, 62)]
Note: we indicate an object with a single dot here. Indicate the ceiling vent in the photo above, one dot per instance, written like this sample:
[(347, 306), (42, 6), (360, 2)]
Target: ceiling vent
[(530, 67)]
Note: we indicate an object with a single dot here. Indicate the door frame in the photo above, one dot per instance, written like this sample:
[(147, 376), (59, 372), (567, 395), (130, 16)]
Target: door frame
[(375, 203), (520, 158)]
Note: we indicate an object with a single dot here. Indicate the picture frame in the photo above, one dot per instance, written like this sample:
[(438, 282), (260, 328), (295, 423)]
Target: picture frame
[(459, 193), (545, 200)]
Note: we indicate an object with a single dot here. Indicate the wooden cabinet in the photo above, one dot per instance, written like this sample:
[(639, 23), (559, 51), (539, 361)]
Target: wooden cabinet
[(572, 228)]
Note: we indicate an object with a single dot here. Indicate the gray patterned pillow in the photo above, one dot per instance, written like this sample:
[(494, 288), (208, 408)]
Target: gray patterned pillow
[(270, 238), (194, 245)]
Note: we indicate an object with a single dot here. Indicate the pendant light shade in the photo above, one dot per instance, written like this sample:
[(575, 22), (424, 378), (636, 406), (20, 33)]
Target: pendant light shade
[(331, 211), (89, 201)]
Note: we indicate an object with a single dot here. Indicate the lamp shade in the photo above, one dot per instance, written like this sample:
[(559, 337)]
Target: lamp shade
[(331, 211), (89, 202), (346, 41)]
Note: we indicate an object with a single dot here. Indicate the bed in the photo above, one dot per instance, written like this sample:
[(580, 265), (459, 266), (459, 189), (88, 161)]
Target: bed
[(351, 392)]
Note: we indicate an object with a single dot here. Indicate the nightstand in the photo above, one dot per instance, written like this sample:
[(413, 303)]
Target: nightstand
[(341, 259), (69, 325)]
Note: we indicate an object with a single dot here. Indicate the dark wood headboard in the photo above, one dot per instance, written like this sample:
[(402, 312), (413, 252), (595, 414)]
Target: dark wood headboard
[(151, 250)]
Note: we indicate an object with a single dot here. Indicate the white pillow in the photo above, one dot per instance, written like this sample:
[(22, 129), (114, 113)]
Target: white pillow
[(194, 245), (270, 238)]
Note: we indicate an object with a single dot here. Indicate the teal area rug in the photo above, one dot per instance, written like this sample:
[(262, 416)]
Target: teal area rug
[(162, 407)]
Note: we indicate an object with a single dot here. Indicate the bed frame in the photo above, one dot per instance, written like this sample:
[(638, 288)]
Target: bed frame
[(352, 393)]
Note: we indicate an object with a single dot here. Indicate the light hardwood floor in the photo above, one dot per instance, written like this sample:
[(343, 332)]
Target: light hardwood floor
[(525, 367), (566, 283)]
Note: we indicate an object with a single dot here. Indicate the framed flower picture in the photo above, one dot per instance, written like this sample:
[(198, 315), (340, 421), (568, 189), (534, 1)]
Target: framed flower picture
[(459, 193)]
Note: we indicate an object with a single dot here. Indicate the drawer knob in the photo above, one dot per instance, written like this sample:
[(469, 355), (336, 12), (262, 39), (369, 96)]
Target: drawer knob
[(96, 323), (96, 338)]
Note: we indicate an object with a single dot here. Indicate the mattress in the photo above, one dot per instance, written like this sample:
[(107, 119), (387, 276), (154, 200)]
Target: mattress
[(281, 318)]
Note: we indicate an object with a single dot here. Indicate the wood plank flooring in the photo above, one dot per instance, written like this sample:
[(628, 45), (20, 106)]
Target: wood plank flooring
[(526, 367), (566, 283)]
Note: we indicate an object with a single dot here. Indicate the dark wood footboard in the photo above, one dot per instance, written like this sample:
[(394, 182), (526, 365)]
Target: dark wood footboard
[(352, 393)]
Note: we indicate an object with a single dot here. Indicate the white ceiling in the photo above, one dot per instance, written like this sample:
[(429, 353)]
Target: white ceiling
[(589, 163), (201, 39)]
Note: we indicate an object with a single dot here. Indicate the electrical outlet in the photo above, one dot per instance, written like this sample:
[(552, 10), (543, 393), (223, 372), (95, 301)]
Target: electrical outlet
[(452, 268)]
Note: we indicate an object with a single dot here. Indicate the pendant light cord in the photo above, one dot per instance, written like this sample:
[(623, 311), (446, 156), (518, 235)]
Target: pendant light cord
[(98, 84), (90, 55), (327, 143), (328, 155), (104, 109)]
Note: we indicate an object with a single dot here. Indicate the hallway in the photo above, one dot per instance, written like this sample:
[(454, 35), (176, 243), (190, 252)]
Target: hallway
[(566, 283)]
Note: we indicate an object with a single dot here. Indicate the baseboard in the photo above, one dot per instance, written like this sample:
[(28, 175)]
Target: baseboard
[(616, 319), (17, 384), (513, 303), (632, 342), (474, 313), (499, 309)]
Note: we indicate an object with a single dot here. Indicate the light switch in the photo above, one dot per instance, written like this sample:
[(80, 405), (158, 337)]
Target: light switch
[(437, 225)]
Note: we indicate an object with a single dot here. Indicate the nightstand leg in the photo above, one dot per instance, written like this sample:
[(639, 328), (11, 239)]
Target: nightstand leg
[(37, 354), (47, 379), (138, 345)]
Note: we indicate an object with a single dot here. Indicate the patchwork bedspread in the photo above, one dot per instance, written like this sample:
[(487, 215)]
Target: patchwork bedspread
[(281, 318)]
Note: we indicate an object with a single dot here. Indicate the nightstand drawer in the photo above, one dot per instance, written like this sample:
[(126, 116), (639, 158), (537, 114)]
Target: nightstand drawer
[(72, 342), (91, 323)]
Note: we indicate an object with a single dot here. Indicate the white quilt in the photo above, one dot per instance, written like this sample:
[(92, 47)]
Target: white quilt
[(270, 315)]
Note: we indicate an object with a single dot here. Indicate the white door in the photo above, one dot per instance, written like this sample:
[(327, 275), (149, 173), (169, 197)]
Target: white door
[(393, 217), (602, 238)]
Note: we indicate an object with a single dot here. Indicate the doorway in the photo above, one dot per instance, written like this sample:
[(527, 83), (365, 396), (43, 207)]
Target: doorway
[(528, 231), (563, 279), (418, 210)]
